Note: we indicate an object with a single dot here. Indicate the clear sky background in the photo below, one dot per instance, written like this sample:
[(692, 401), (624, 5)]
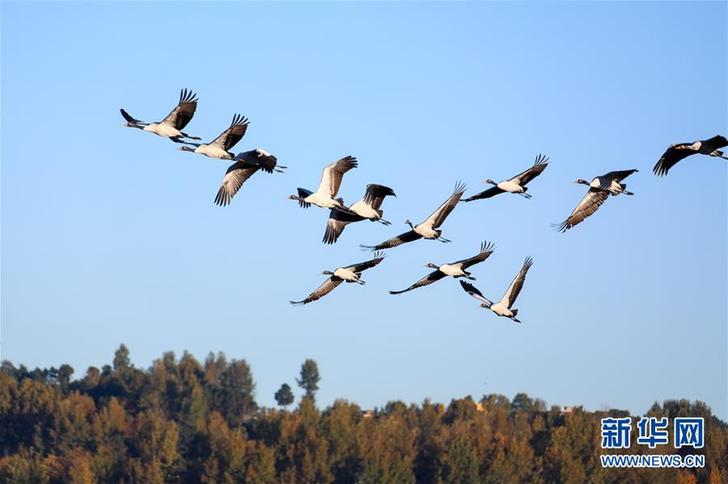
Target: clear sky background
[(110, 235)]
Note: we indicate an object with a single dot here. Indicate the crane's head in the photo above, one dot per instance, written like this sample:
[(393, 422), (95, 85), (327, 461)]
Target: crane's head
[(327, 273), (131, 124), (490, 181), (581, 181), (432, 265), (409, 223)]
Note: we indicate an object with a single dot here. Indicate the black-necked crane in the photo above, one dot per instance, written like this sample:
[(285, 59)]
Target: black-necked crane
[(504, 307), (331, 178), (517, 184), (599, 190), (679, 151), (368, 208), (220, 147), (453, 269), (430, 228), (170, 127), (350, 274), (245, 166)]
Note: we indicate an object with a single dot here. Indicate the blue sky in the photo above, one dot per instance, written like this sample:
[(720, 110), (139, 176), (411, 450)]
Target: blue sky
[(110, 235)]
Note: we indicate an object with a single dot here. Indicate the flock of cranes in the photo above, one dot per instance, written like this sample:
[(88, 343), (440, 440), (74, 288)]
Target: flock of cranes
[(247, 163)]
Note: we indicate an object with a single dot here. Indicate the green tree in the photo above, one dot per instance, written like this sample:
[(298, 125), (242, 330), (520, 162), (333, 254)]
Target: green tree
[(65, 372), (284, 395), (121, 359), (309, 378)]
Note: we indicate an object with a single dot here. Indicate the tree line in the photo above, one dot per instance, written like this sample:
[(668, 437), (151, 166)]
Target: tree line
[(182, 420)]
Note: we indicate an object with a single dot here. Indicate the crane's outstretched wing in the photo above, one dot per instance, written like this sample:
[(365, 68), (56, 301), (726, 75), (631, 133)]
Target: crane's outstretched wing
[(337, 222), (439, 215), (408, 236), (375, 195), (329, 285), (509, 298), (538, 167), (473, 291), (268, 163), (130, 119), (490, 192), (486, 249), (181, 115), (333, 174), (230, 137), (619, 175), (303, 193), (237, 174), (711, 144), (589, 204), (671, 157), (245, 166), (377, 257), (433, 276)]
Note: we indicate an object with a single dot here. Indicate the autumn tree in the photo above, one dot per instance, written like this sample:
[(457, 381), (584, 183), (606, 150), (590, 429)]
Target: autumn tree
[(183, 421)]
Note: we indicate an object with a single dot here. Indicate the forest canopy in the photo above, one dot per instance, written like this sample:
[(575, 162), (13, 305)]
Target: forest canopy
[(182, 420)]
